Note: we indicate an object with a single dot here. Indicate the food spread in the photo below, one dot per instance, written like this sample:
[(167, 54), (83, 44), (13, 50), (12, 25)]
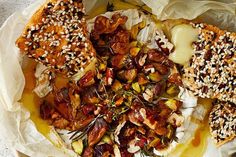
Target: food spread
[(124, 90)]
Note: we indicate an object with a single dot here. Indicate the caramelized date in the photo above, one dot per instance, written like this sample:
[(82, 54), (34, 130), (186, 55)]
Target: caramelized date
[(88, 152), (120, 42), (65, 110), (101, 150), (97, 132), (131, 74), (82, 120), (88, 108), (119, 61), (46, 110), (62, 96)]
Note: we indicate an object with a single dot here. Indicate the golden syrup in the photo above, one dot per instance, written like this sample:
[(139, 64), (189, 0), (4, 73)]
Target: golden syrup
[(30, 100), (197, 146)]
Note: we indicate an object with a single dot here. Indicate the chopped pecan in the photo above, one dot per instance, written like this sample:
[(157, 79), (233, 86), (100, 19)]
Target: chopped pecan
[(88, 152), (163, 69), (46, 110), (120, 42), (87, 79), (175, 79), (109, 76), (119, 61), (154, 55), (104, 25)]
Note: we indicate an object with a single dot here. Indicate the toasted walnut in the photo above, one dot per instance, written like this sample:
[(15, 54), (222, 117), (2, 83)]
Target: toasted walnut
[(104, 25), (120, 42)]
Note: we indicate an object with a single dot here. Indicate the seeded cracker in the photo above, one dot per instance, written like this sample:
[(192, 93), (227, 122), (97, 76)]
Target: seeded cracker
[(223, 122), (212, 70), (57, 37)]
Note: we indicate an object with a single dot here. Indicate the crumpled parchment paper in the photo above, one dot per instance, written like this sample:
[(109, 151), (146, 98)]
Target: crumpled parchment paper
[(17, 128)]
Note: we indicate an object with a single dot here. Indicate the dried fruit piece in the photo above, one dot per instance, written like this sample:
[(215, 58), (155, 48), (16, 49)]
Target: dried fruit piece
[(88, 152), (131, 74), (153, 143), (65, 110), (135, 29), (175, 79), (142, 80), (119, 101), (97, 132), (120, 42), (172, 104), (46, 110), (107, 139), (104, 25), (156, 56), (133, 44), (119, 61), (127, 75), (102, 66)]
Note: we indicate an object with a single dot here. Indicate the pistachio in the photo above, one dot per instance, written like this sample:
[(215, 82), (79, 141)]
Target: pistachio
[(172, 89), (78, 146), (136, 87), (172, 104), (156, 77)]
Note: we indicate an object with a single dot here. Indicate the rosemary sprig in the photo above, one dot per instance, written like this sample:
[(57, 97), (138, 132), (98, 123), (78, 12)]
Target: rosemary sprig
[(110, 7)]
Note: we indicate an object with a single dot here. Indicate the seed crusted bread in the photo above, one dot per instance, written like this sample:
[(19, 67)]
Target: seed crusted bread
[(222, 122), (211, 72), (57, 36)]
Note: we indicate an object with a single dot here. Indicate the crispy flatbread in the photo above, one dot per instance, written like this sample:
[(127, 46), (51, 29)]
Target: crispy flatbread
[(57, 36)]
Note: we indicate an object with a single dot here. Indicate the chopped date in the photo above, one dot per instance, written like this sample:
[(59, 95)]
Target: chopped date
[(97, 132), (46, 110)]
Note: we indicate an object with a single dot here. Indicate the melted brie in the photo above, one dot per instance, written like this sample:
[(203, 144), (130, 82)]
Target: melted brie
[(182, 37)]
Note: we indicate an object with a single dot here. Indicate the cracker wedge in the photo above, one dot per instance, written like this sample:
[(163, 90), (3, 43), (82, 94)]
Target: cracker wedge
[(57, 36)]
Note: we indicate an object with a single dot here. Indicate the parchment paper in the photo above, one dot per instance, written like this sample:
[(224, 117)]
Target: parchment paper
[(17, 128)]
